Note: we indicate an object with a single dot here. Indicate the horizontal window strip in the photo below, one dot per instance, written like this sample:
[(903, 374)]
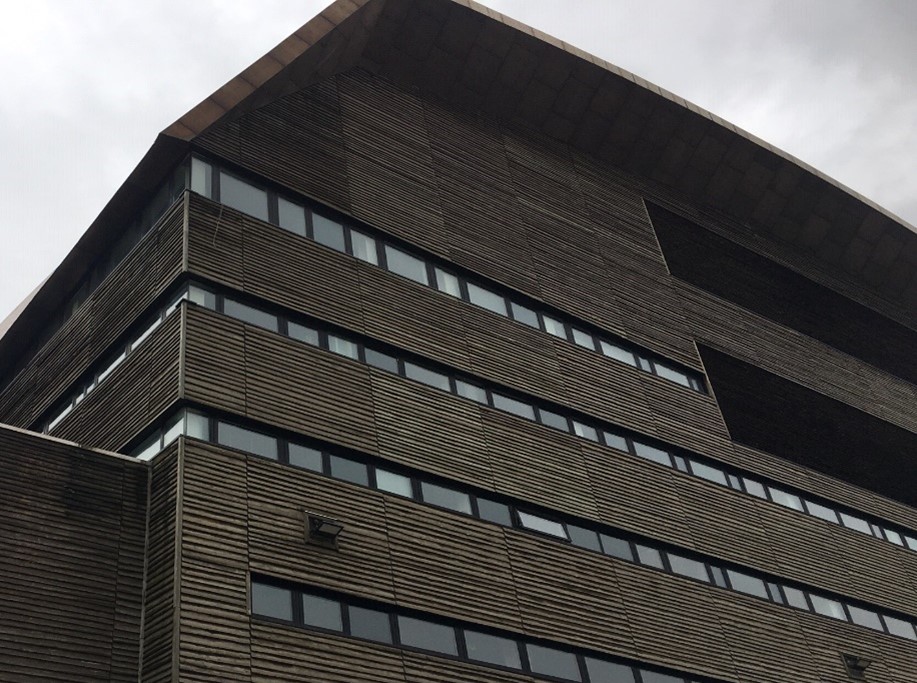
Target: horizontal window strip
[(397, 361), (370, 471), (323, 225), (344, 615)]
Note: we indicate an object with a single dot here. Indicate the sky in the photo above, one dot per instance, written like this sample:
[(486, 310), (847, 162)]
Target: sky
[(88, 84)]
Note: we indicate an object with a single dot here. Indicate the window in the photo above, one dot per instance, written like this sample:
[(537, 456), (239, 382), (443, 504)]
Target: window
[(785, 499), (584, 538), (749, 585), (343, 347), (541, 525), (709, 473), (201, 177), (448, 283), (688, 567), (482, 647), (585, 431), (554, 326), (795, 598), (653, 677), (239, 195), (406, 265), (899, 627), (583, 339), (394, 483), (370, 624), (865, 617), (553, 419), (821, 512), (855, 523), (524, 315), (364, 247), (649, 556), (349, 470), (486, 299), (827, 607), (446, 498), (551, 662), (618, 353), (672, 375), (615, 441), (652, 453), (616, 547), (322, 613), (494, 512), (428, 377), (893, 537), (328, 232), (246, 440), (511, 405), (270, 601), (291, 217), (601, 671), (250, 315), (302, 333), (754, 488), (307, 458), (380, 360), (472, 391), (427, 635)]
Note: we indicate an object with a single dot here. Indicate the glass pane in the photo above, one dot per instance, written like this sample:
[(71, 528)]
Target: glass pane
[(827, 607), (865, 617), (250, 315), (542, 525), (65, 411), (380, 360), (474, 392), (483, 647), (394, 483), (270, 601), (486, 299), (448, 283), (709, 473), (238, 194), (202, 297), (197, 426), (583, 339), (305, 457), (688, 567), (524, 315), (673, 375), (554, 326), (110, 368), (775, 593), (616, 547), (649, 556), (735, 482), (511, 405), (893, 536), (140, 338), (349, 470), (584, 538), (149, 448), (601, 671), (343, 347), (201, 177), (370, 624), (585, 431), (855, 523), (428, 377), (302, 333), (291, 217), (246, 440), (618, 353), (364, 247), (322, 613), (427, 635), (719, 578), (680, 464), (553, 420), (446, 498), (899, 627), (795, 598), (911, 542), (615, 441), (785, 499), (821, 512), (551, 662), (652, 453), (747, 584), (328, 232), (173, 428), (653, 677), (494, 512), (405, 265), (755, 488)]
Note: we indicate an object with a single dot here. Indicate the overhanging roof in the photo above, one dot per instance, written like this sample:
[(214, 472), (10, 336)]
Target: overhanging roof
[(474, 57)]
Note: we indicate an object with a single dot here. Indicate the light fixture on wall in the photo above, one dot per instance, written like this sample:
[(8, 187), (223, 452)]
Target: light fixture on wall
[(856, 666), (322, 530)]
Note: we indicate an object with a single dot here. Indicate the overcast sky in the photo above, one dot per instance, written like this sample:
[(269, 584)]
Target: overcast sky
[(87, 85)]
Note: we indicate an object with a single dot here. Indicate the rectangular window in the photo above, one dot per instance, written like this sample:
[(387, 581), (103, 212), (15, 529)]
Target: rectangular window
[(483, 647), (471, 391), (238, 194), (618, 353), (446, 498), (827, 607), (380, 360), (524, 315), (785, 499), (493, 511), (394, 483), (511, 405), (364, 247), (553, 420), (349, 470), (616, 547), (709, 473), (554, 326), (653, 677), (583, 339), (754, 488), (250, 315), (585, 431), (428, 377), (291, 217), (343, 347), (322, 613), (821, 512), (103, 374), (865, 617), (328, 232), (174, 428), (405, 265), (486, 299), (201, 177), (688, 567), (370, 624), (143, 335), (550, 662), (302, 333), (899, 627), (197, 426), (893, 536), (856, 523), (601, 671), (202, 297), (306, 458), (795, 598), (246, 440), (427, 635), (649, 556), (146, 450), (448, 283), (747, 584), (270, 601), (541, 525), (673, 375), (584, 538), (652, 453)]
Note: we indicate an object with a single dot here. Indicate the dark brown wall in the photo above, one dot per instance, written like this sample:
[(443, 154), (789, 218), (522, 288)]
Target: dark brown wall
[(72, 529)]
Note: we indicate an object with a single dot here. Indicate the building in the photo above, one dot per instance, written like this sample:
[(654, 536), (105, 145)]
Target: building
[(438, 350)]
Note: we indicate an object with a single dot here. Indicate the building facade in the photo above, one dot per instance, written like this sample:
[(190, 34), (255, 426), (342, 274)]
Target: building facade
[(432, 349)]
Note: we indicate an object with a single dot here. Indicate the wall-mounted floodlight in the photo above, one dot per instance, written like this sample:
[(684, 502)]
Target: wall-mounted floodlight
[(323, 530), (856, 666)]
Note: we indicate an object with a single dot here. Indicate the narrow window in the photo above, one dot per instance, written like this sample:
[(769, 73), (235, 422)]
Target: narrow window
[(270, 601), (448, 283), (428, 377), (247, 314), (197, 426), (201, 177), (653, 453), (380, 360), (747, 584), (618, 353), (688, 567), (322, 613), (328, 232), (524, 315), (302, 333), (486, 299), (601, 671), (364, 247), (511, 405), (427, 635), (446, 498), (238, 194), (306, 458), (405, 265), (349, 470), (493, 511), (483, 647), (541, 525), (291, 217), (246, 440), (370, 624), (394, 483), (551, 662)]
